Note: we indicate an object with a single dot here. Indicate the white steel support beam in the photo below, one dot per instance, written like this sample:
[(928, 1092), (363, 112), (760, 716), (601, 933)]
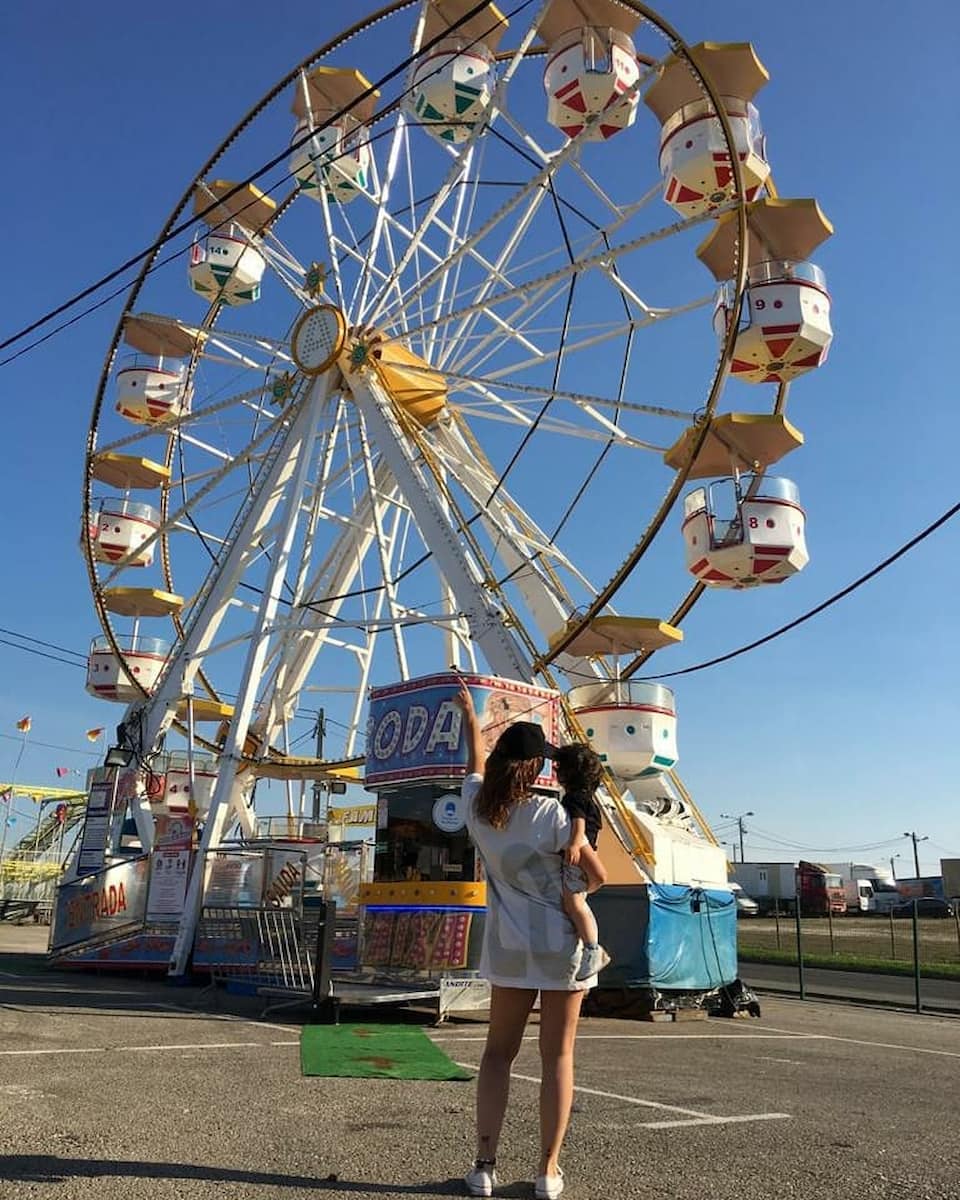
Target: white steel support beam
[(322, 601), (485, 619), (297, 453), (385, 550)]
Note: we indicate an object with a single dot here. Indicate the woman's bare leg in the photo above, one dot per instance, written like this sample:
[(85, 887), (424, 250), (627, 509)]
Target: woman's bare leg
[(559, 1014), (509, 1010)]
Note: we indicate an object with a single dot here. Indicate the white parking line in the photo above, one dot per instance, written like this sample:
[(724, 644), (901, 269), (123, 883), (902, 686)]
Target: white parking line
[(139, 1049), (717, 1120), (695, 1117), (832, 1037)]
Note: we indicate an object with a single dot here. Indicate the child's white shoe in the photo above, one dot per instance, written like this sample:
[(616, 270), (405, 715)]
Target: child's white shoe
[(592, 960)]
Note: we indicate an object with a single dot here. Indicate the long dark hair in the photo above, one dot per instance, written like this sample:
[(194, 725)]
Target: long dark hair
[(507, 782)]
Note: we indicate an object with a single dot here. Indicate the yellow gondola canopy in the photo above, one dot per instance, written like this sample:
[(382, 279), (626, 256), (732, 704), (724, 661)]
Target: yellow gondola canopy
[(125, 471), (487, 26), (331, 89), (564, 15), (141, 602), (778, 229), (745, 441), (160, 337), (247, 206), (732, 67), (619, 635), (293, 768), (205, 709)]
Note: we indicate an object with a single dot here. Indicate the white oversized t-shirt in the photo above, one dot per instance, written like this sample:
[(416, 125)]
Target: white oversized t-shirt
[(529, 941)]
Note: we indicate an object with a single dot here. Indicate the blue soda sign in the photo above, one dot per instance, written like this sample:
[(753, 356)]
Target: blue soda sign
[(415, 729)]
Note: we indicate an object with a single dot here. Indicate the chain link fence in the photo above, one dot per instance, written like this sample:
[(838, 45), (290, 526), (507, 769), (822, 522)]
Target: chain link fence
[(908, 957)]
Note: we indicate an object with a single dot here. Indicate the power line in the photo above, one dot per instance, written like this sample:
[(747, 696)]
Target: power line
[(302, 714), (9, 737), (39, 642), (67, 662), (837, 596), (183, 226)]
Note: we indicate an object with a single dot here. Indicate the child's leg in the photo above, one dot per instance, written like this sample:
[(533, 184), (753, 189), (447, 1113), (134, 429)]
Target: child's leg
[(578, 910)]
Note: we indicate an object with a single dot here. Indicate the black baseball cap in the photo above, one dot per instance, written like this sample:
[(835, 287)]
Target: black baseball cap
[(523, 740)]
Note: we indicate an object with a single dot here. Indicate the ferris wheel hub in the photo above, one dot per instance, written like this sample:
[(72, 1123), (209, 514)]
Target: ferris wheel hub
[(318, 339)]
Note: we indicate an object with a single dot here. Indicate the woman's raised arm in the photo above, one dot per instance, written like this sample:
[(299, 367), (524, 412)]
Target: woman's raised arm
[(476, 755)]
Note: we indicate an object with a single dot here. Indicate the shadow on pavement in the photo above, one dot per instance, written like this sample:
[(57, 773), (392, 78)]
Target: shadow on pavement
[(48, 1168), (29, 981)]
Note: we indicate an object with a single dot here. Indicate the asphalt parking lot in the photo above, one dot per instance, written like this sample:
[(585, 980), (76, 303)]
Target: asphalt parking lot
[(113, 1087)]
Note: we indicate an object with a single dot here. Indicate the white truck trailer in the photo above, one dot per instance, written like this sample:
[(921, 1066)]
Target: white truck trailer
[(868, 889)]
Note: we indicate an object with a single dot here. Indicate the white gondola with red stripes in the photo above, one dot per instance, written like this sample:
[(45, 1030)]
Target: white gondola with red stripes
[(143, 660), (150, 390), (735, 540), (119, 528)]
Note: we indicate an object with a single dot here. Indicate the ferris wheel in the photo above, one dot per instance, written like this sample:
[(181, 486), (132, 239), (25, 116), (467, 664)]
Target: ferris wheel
[(430, 392)]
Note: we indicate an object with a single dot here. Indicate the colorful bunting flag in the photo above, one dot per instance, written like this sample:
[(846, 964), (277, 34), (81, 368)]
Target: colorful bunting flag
[(93, 734), (61, 771), (24, 724)]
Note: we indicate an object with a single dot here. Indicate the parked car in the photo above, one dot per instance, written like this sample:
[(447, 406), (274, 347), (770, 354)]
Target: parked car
[(746, 905), (927, 906)]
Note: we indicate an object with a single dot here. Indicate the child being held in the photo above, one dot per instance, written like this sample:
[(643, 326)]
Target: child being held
[(579, 772)]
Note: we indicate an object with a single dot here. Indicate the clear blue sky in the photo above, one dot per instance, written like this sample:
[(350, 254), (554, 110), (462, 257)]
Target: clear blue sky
[(842, 734)]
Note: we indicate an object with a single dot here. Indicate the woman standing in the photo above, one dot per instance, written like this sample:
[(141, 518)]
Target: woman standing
[(529, 943)]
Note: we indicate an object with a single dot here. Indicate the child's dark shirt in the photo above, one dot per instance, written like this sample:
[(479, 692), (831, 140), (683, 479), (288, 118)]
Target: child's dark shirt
[(585, 806)]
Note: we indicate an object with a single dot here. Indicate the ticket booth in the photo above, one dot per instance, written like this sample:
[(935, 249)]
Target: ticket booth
[(423, 912)]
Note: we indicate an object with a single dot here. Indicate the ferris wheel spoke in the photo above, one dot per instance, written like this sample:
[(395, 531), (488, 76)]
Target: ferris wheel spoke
[(577, 398), (545, 157), (512, 415), (597, 339), (365, 279), (534, 303), (175, 425), (577, 267)]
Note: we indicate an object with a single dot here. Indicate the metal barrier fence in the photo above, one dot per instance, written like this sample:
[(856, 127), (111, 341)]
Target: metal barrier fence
[(907, 959), (264, 947)]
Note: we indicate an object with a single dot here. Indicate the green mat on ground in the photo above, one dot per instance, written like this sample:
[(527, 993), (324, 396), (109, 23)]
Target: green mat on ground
[(374, 1052)]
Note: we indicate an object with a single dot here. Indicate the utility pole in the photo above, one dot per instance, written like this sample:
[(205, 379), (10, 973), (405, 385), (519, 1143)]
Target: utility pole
[(740, 827), (893, 869), (320, 730), (916, 857)]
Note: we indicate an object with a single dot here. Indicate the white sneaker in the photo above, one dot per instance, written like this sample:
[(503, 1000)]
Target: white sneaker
[(481, 1179), (592, 960), (548, 1187)]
